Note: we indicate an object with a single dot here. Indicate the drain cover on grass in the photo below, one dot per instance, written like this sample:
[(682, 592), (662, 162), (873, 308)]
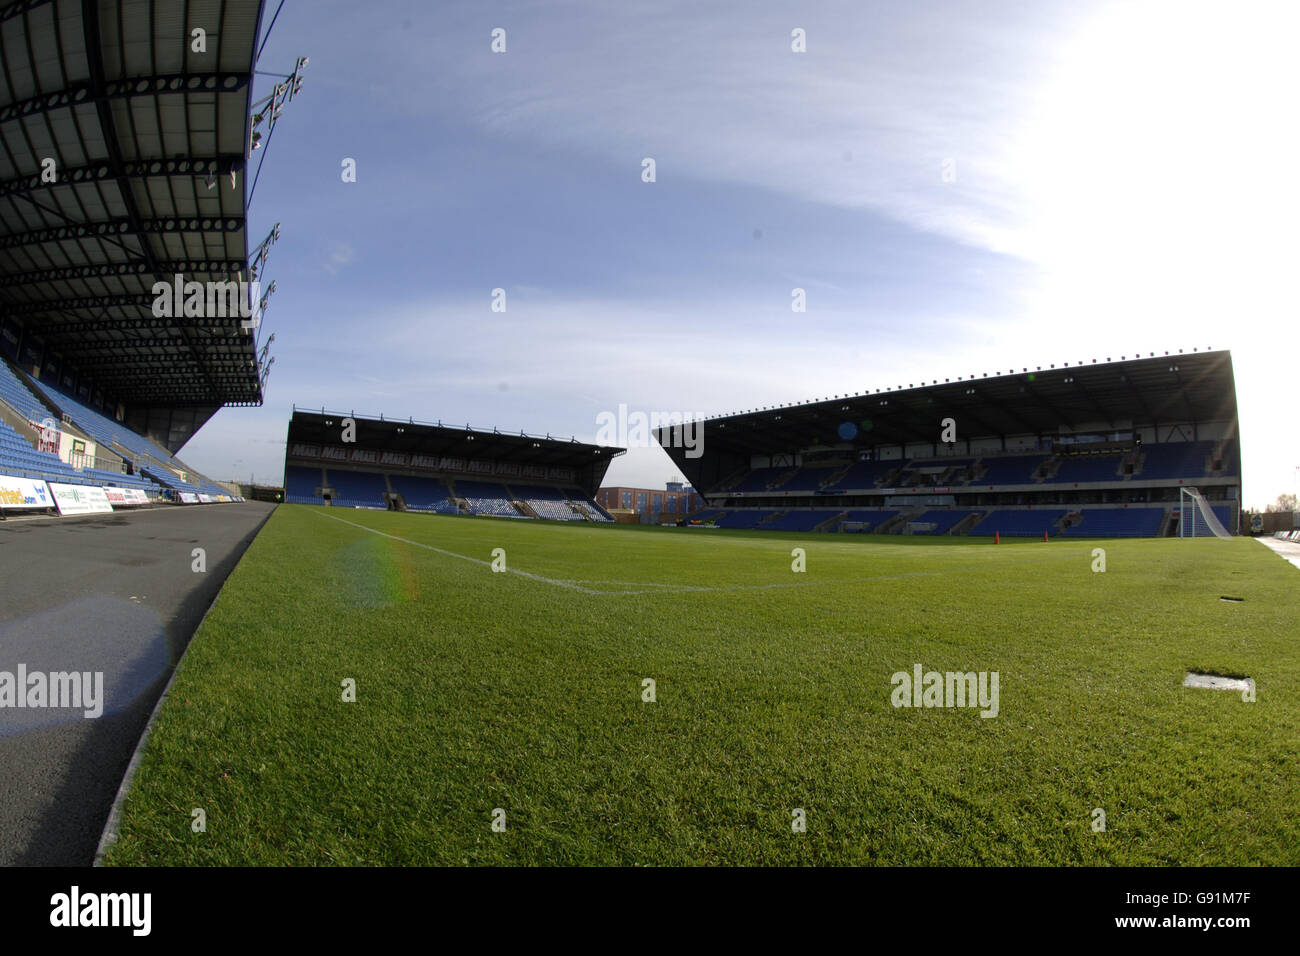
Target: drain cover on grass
[(1215, 682)]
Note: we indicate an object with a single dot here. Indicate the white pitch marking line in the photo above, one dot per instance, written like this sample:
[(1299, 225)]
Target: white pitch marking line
[(465, 557), (671, 588)]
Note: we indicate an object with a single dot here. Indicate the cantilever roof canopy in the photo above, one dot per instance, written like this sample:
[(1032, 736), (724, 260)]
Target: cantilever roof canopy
[(419, 438), (1182, 388), (118, 146)]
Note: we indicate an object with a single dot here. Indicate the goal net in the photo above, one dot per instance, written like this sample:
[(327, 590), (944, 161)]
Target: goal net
[(1196, 519)]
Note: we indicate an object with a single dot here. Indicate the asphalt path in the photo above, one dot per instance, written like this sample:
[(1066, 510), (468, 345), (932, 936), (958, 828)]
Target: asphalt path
[(1290, 550), (113, 594)]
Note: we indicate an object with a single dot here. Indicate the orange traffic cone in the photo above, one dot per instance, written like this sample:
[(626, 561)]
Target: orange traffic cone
[(996, 537)]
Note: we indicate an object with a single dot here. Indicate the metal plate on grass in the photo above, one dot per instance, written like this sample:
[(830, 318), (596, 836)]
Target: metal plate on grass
[(1215, 682)]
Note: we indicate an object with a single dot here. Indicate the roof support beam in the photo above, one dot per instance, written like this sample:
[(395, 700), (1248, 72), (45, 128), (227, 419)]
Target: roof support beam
[(123, 172), (120, 172), (1002, 409), (19, 7), (175, 396), (141, 299), (55, 332), (110, 269), (76, 94), (962, 416), (1102, 415), (1136, 395), (1174, 396), (161, 369), (1197, 386), (115, 228), (66, 331), (1058, 415)]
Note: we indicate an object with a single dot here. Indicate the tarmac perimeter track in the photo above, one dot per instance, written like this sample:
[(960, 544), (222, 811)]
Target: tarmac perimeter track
[(118, 594)]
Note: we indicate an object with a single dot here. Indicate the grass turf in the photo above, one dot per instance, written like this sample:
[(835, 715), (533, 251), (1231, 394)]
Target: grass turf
[(479, 690)]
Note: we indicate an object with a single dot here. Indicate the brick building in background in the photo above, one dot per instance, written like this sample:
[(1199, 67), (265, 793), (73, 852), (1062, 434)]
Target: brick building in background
[(675, 498)]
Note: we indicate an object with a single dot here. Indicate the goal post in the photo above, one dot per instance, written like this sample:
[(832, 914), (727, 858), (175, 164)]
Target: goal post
[(1196, 519)]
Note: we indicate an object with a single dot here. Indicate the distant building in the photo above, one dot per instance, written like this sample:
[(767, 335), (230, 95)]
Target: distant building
[(675, 498)]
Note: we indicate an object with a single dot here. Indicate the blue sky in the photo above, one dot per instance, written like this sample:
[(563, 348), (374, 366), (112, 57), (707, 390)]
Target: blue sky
[(1124, 182)]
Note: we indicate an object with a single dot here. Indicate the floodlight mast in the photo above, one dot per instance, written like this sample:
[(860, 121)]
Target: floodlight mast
[(262, 252), (273, 104), (271, 108)]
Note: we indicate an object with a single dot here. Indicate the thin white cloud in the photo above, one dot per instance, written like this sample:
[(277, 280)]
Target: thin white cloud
[(1134, 154), (718, 96), (341, 254)]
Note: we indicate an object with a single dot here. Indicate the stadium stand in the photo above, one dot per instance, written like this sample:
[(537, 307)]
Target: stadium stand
[(486, 498), (761, 479), (863, 474), (416, 466), (1176, 460), (157, 469), (151, 458), (423, 494), (1015, 470), (1012, 523), (551, 503), (870, 518), (809, 478), (1116, 523), (301, 484), (1033, 446), (1081, 469), (801, 520), (943, 521), (19, 458), (20, 398), (743, 519), (593, 511), (150, 190), (936, 472), (357, 489)]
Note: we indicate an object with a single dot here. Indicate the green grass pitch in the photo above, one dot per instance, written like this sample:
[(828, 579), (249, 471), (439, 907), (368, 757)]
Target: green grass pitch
[(523, 690)]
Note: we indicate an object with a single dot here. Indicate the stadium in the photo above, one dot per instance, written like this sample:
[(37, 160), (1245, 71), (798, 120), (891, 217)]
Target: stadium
[(1011, 618), (339, 459), (1084, 450)]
